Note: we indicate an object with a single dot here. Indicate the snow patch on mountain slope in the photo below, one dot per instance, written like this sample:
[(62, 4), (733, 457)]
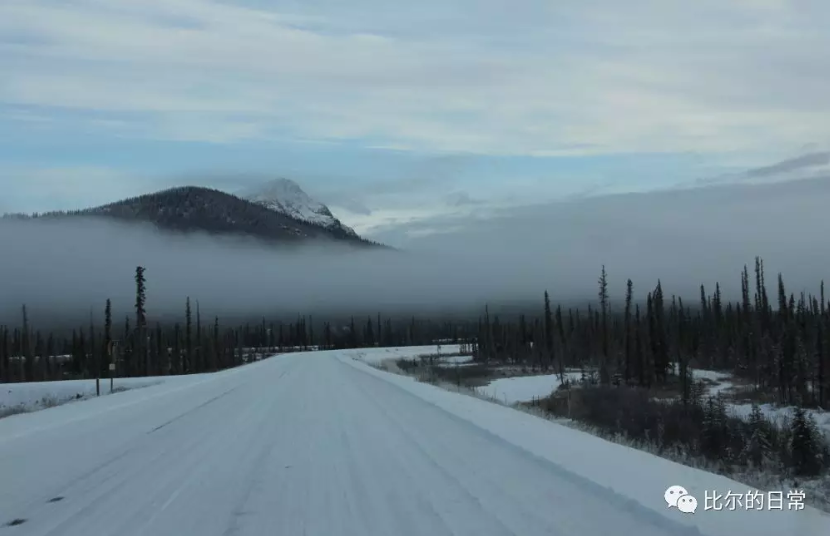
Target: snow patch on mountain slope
[(286, 196)]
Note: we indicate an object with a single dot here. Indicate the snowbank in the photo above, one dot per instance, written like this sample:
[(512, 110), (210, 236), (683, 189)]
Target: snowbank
[(621, 473), (33, 396), (375, 356), (524, 388)]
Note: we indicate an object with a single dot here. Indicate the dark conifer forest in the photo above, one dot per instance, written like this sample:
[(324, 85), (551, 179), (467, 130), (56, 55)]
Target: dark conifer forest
[(630, 349)]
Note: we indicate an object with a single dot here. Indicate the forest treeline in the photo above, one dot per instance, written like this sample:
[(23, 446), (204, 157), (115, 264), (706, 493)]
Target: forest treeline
[(627, 353), (631, 358), (140, 347), (781, 345)]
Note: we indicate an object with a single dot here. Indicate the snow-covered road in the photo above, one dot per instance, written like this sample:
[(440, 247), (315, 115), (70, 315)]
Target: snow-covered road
[(300, 444)]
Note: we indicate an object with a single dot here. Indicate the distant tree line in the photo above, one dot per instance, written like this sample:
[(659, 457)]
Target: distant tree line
[(781, 345), (777, 350), (140, 347), (626, 354)]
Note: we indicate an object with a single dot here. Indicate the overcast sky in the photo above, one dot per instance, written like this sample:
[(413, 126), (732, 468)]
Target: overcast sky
[(404, 113)]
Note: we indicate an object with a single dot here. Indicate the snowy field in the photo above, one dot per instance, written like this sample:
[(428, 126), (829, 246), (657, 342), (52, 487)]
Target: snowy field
[(722, 384), (717, 382), (458, 360), (34, 396), (323, 445), (524, 388), (779, 414), (376, 356)]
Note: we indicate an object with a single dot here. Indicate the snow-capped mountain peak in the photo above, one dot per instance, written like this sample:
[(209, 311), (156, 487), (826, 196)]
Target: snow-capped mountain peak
[(286, 196)]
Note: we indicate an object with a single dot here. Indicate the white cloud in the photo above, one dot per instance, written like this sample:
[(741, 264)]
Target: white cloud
[(486, 77), (686, 237)]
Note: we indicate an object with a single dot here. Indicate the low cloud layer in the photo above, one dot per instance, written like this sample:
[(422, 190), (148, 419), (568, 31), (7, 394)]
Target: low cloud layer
[(807, 161), (684, 237)]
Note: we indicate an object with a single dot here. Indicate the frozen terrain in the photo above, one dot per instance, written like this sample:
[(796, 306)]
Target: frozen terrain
[(376, 356), (33, 396), (320, 444), (524, 388), (719, 382), (286, 196), (723, 384), (778, 414)]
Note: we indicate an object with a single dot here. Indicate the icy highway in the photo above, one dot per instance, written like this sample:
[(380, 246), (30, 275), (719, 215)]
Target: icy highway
[(301, 444)]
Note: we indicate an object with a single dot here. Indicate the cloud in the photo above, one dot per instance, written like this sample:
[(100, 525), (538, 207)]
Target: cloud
[(806, 161), (684, 238), (460, 199), (810, 165), (483, 77), (353, 206)]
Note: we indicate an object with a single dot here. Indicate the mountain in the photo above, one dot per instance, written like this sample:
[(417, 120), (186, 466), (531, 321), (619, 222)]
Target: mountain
[(286, 197), (197, 209)]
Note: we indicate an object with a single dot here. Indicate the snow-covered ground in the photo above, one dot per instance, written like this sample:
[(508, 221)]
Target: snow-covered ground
[(718, 382), (323, 445), (524, 388), (285, 196), (457, 360), (376, 356), (33, 396), (780, 414), (724, 385)]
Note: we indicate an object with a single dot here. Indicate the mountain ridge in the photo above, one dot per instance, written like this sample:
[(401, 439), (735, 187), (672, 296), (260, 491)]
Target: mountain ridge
[(188, 209), (287, 197)]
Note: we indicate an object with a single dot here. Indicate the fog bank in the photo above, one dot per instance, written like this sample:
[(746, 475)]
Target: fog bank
[(685, 238)]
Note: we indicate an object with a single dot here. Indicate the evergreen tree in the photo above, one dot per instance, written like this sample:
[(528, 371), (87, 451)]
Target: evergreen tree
[(805, 445), (216, 359), (629, 286), (26, 359), (127, 352), (106, 343), (758, 447), (200, 364), (604, 375), (188, 339), (370, 333), (660, 353), (140, 342)]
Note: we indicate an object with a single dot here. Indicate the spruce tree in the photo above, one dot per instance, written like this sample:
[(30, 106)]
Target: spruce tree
[(627, 367), (370, 333), (216, 363), (26, 360), (106, 343), (604, 375), (140, 316), (549, 342), (758, 446), (188, 339), (5, 371), (805, 447)]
